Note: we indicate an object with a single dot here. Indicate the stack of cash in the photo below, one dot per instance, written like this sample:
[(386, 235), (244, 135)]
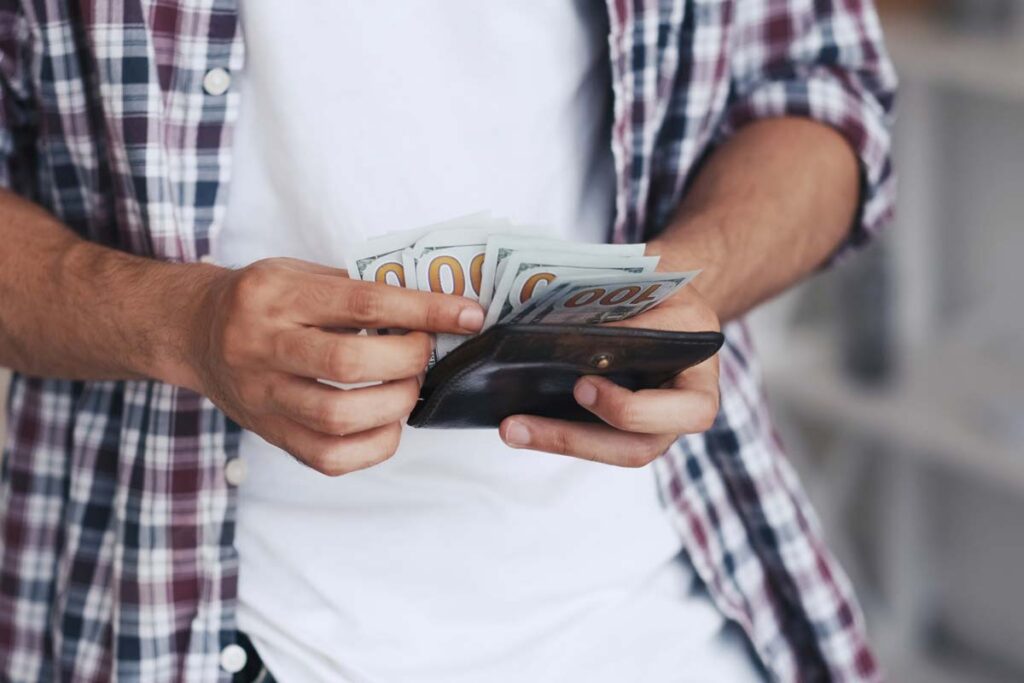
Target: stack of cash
[(517, 274)]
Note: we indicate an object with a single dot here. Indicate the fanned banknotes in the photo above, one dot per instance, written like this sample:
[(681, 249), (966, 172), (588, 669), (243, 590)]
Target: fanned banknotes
[(517, 274), (380, 259), (528, 273), (597, 299)]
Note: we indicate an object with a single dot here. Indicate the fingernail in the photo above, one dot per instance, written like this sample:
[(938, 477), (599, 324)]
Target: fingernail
[(517, 435), (471, 319), (586, 394)]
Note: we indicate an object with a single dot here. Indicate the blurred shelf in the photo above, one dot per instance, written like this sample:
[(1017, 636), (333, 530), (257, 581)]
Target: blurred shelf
[(915, 414), (936, 668), (924, 49), (924, 662)]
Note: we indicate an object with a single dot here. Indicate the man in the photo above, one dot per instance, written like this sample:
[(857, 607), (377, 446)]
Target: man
[(154, 527)]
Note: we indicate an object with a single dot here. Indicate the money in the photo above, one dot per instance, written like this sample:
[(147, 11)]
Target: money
[(528, 273), (387, 260), (597, 299), (501, 246), (449, 262), (381, 259), (519, 275)]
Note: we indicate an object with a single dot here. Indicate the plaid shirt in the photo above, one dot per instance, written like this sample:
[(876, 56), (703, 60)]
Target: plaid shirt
[(116, 549)]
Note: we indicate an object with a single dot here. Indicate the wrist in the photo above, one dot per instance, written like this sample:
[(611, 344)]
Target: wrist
[(191, 296), (691, 244)]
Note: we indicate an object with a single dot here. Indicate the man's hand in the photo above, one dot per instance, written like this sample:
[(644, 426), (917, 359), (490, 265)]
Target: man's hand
[(639, 425), (265, 334), (254, 340)]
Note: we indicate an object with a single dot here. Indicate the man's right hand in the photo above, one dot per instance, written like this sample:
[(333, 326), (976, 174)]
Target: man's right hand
[(254, 340), (263, 335)]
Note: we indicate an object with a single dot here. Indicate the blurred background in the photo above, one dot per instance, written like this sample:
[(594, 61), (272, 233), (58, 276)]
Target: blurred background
[(897, 380)]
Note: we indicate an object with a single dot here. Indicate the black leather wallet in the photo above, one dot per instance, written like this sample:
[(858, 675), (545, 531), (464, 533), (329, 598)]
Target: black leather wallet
[(532, 369)]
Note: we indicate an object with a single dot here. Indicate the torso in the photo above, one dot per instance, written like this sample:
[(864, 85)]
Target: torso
[(458, 559)]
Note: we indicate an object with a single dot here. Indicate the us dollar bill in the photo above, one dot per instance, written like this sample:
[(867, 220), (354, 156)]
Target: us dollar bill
[(528, 273), (501, 246), (516, 272), (381, 259), (597, 299), (449, 262), (386, 259)]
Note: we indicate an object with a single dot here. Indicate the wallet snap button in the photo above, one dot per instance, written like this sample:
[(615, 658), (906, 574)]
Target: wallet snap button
[(601, 361)]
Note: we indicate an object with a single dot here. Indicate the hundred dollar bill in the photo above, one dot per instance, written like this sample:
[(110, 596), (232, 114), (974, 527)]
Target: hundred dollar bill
[(592, 300), (380, 259), (529, 273), (449, 262), (500, 247)]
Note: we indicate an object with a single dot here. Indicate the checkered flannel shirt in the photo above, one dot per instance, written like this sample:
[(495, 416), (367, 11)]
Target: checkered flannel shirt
[(116, 522)]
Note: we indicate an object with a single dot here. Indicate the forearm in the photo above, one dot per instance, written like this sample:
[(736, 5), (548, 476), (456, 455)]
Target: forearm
[(73, 309), (769, 207)]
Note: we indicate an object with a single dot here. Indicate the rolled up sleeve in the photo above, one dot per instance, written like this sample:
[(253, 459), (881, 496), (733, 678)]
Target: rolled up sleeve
[(824, 60)]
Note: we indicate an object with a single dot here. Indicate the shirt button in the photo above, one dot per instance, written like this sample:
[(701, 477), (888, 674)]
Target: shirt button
[(235, 471), (233, 658), (216, 81)]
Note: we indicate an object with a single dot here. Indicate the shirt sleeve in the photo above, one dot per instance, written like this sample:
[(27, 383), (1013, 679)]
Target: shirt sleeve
[(17, 124), (825, 60)]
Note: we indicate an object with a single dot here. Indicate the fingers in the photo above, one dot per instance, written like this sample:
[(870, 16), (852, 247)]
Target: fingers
[(351, 358), (296, 292), (688, 406), (683, 311), (340, 302), (333, 455), (309, 266), (640, 425), (597, 442), (337, 412)]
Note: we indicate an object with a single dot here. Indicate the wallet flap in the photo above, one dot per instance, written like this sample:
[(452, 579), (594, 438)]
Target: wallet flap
[(532, 369)]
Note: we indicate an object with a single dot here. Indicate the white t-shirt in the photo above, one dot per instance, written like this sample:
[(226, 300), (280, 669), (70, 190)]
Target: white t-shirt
[(459, 559)]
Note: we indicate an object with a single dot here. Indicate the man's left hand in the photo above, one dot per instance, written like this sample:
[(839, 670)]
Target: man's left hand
[(639, 425)]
